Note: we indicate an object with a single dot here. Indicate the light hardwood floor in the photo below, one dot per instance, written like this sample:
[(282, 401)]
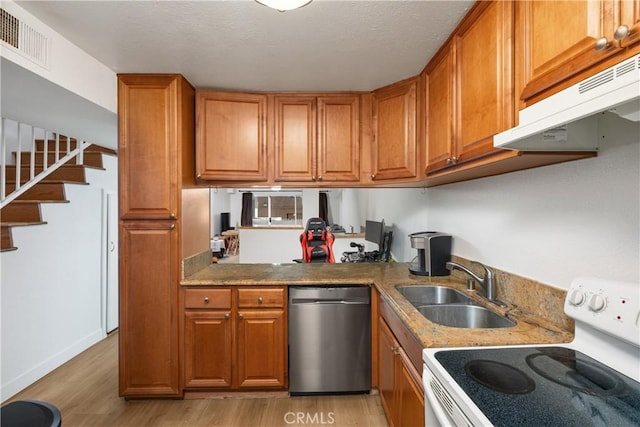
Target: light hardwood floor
[(85, 390)]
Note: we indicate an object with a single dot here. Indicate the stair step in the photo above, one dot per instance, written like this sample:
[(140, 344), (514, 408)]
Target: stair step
[(21, 212), (6, 242), (6, 238), (90, 158), (51, 144), (93, 148), (44, 191), (68, 172)]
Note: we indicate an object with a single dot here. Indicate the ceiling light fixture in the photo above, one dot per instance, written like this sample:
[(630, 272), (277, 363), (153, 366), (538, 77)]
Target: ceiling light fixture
[(284, 5)]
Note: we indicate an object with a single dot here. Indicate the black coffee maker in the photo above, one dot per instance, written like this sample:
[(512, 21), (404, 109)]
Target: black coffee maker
[(434, 251)]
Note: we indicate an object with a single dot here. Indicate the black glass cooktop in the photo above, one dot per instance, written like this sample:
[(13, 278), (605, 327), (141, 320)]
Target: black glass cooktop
[(535, 386)]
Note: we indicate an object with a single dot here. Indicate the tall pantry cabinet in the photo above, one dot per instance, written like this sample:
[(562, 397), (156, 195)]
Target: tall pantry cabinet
[(156, 144)]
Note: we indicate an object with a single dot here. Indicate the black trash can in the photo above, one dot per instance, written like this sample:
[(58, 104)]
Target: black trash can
[(30, 413)]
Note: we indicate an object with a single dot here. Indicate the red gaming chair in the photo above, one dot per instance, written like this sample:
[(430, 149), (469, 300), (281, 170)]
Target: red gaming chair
[(317, 242)]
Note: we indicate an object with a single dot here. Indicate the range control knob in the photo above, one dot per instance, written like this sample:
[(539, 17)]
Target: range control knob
[(576, 297), (597, 303)]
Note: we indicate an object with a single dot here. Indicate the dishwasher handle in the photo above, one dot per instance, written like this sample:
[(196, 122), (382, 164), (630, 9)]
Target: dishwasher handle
[(328, 301)]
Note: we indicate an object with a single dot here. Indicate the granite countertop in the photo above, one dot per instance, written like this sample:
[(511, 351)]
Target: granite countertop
[(530, 328)]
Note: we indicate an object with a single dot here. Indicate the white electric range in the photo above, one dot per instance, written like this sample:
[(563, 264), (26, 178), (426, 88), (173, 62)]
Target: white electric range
[(594, 380)]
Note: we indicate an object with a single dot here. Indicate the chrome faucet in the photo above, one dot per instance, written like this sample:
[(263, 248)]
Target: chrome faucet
[(488, 282)]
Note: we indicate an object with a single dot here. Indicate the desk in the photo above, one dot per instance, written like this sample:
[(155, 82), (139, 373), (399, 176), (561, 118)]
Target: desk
[(231, 241)]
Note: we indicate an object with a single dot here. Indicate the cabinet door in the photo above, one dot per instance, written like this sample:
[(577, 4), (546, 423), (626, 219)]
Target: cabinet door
[(411, 394), (338, 138), (484, 78), (387, 349), (394, 131), (208, 345), (558, 39), (630, 16), (262, 345), (231, 136), (147, 143), (439, 93), (295, 138), (149, 358)]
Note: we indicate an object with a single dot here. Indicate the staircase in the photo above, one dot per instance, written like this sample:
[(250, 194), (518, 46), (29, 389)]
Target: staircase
[(25, 209)]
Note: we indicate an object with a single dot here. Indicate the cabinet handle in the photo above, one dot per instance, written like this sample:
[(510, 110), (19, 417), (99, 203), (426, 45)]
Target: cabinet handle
[(454, 160), (226, 316), (621, 32), (313, 178), (240, 316), (448, 161), (320, 178), (172, 215), (601, 44), (172, 226), (373, 176), (206, 300), (260, 300)]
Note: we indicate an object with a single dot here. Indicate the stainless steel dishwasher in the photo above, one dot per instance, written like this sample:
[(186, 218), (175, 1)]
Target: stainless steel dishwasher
[(329, 339)]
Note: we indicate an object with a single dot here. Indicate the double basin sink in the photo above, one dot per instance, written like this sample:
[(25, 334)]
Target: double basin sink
[(449, 307)]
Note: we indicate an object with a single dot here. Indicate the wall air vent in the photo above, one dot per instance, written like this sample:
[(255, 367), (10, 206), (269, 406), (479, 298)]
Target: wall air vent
[(24, 39), (10, 28)]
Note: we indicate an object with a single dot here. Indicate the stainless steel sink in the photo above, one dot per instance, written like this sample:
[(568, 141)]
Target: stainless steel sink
[(419, 295), (464, 316)]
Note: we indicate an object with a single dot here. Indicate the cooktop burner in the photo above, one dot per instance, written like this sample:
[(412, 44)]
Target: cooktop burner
[(560, 366), (500, 376), (525, 386)]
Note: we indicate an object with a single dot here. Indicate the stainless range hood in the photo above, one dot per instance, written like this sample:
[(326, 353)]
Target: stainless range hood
[(568, 120)]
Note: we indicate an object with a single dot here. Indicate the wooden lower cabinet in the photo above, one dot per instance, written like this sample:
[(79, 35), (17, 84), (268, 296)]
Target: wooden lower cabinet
[(208, 349), (261, 349), (235, 338), (399, 384), (411, 395), (149, 351)]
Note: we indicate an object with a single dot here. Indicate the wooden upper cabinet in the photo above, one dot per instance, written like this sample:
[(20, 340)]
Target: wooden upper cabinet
[(484, 78), (295, 136), (557, 39), (629, 15), (469, 88), (438, 85), (338, 138), (317, 139), (148, 145), (394, 111), (231, 136)]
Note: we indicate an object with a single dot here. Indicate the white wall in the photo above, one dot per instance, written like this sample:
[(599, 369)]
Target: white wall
[(553, 223), (52, 290)]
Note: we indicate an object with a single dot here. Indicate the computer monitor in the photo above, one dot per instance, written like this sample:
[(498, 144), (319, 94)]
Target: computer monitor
[(374, 233)]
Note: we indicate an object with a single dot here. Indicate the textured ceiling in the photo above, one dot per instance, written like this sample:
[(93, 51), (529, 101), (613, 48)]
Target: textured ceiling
[(242, 45)]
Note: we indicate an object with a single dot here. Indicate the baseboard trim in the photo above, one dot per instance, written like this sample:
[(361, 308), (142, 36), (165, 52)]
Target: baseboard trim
[(24, 380)]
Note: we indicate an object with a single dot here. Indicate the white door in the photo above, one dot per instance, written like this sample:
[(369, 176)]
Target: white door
[(112, 262)]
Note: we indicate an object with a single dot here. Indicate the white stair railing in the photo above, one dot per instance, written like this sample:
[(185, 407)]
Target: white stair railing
[(14, 137)]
